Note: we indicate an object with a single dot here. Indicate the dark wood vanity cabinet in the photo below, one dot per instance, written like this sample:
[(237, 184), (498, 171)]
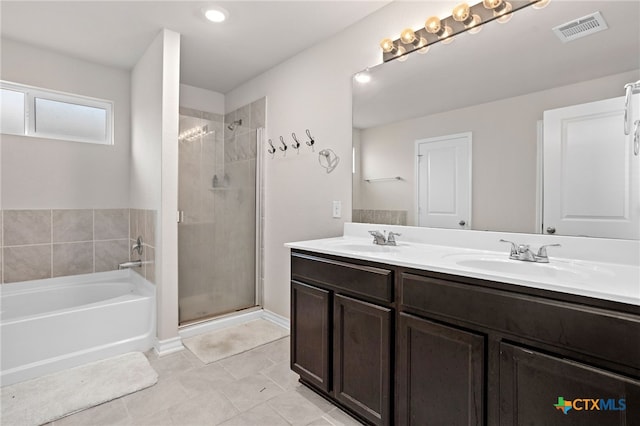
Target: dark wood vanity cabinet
[(509, 353), (412, 347), (342, 333)]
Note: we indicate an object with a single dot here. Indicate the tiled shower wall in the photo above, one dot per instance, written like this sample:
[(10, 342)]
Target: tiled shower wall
[(48, 243)]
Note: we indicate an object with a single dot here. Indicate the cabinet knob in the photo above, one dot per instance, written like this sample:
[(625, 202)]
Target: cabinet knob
[(462, 223), (551, 230)]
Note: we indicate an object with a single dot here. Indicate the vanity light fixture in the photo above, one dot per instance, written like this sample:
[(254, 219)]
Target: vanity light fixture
[(462, 13), (465, 17), (434, 25), (216, 14)]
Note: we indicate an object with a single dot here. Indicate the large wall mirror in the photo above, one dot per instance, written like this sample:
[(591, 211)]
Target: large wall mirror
[(494, 87)]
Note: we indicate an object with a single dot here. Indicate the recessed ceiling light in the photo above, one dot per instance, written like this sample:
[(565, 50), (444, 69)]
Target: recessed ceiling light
[(216, 14)]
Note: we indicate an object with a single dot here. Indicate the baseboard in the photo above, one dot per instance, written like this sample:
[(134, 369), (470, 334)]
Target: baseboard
[(168, 346), (276, 319)]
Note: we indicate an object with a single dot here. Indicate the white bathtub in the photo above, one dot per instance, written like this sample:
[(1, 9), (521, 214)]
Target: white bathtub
[(53, 324)]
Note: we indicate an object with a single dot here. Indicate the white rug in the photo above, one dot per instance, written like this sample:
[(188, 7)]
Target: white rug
[(56, 395), (215, 345)]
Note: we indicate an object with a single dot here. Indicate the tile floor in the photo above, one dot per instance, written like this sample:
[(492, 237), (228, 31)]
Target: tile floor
[(255, 388)]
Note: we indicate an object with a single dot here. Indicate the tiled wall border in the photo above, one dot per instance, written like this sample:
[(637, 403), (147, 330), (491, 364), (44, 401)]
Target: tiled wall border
[(47, 243), (387, 217)]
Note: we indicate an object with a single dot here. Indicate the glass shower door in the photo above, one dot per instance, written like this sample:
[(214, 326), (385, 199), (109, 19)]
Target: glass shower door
[(217, 229)]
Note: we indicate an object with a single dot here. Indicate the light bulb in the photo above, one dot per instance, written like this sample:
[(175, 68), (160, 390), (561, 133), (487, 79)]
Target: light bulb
[(491, 4), (433, 25), (387, 45), (474, 26), (401, 51), (447, 31), (423, 46), (541, 4), (408, 36), (504, 14), (462, 13)]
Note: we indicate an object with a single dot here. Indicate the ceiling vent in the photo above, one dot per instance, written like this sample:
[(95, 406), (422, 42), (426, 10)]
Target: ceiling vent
[(581, 27)]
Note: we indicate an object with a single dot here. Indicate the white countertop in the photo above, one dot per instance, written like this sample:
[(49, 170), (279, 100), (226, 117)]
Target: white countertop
[(584, 276)]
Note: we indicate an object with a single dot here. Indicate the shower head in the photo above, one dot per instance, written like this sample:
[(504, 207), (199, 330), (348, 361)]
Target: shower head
[(235, 124)]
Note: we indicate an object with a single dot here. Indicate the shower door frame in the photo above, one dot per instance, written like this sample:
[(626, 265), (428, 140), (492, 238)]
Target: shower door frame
[(259, 272), (259, 238)]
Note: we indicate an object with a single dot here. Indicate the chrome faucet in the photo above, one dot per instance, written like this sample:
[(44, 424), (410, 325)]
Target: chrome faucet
[(524, 253), (384, 238)]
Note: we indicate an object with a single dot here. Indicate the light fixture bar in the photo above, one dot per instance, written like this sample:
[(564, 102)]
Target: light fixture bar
[(457, 27)]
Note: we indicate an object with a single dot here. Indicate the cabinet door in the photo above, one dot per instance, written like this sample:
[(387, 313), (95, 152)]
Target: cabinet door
[(545, 390), (310, 334), (440, 374), (362, 363)]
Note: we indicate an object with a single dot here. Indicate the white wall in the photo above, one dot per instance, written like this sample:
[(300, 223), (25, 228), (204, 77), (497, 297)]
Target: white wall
[(201, 99), (155, 82), (504, 153), (46, 173), (313, 91)]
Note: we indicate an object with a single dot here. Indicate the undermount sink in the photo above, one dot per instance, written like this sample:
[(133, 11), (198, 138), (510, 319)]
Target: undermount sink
[(558, 270)]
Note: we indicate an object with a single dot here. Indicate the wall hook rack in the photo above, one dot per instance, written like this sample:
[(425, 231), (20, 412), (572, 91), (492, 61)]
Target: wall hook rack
[(296, 144), (271, 150), (284, 147)]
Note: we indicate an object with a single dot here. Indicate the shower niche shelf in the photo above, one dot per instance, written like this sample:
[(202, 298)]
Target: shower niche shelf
[(220, 184)]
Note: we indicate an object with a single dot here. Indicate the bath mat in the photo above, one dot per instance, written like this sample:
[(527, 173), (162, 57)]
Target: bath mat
[(56, 395), (216, 345)]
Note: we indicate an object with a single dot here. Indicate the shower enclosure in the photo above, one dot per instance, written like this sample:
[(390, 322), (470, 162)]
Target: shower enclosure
[(218, 201)]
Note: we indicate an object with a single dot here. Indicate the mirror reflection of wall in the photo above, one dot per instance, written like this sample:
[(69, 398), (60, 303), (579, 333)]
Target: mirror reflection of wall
[(409, 101)]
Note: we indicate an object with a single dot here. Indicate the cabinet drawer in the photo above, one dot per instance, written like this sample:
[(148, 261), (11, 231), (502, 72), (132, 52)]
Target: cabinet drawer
[(357, 280), (605, 334)]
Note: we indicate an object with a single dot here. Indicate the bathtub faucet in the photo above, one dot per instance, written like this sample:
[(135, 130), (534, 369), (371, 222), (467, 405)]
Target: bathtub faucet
[(132, 264)]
